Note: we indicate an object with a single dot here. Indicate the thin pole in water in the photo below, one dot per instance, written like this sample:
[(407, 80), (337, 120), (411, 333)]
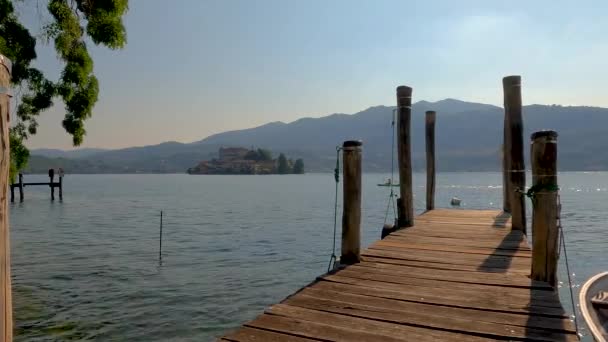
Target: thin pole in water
[(160, 240)]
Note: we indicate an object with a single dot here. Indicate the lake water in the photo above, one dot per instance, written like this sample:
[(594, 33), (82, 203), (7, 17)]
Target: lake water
[(87, 268)]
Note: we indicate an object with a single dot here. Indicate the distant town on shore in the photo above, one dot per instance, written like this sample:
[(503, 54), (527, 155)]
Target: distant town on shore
[(243, 161)]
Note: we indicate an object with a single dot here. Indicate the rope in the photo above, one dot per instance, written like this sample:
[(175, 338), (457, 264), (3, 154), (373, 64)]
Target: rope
[(553, 188), (392, 196), (333, 258), (562, 243)]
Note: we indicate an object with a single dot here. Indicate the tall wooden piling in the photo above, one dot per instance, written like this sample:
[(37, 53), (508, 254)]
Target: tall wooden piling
[(545, 233), (51, 178), (61, 187), (506, 200), (6, 308), (516, 172), (430, 159), (351, 216), (404, 116), (21, 195), (60, 184)]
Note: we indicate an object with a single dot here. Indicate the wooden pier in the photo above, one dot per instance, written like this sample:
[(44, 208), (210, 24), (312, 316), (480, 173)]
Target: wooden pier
[(51, 184), (448, 274), (460, 275)]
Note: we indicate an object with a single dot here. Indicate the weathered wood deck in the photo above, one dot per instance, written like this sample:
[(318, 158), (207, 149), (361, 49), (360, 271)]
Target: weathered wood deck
[(458, 275)]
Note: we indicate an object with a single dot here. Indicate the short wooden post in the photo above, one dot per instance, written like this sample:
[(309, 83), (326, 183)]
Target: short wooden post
[(404, 110), (6, 307), (52, 176), (160, 240), (430, 160), (516, 174), (351, 216), (21, 187), (545, 233)]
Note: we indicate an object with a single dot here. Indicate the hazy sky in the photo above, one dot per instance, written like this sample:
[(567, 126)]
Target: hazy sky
[(192, 68)]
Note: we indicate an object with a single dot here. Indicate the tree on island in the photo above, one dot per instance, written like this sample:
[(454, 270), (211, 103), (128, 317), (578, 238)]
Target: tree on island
[(283, 167), (70, 24), (298, 167), (264, 155)]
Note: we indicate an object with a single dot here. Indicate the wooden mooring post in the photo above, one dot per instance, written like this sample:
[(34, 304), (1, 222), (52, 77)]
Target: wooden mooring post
[(516, 168), (6, 307), (545, 232), (61, 186), (404, 116), (21, 187), (430, 159), (51, 178), (351, 216)]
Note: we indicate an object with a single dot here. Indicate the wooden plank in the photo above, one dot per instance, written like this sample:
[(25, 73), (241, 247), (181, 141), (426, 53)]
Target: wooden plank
[(403, 308), (430, 316), (464, 212), (448, 241), (382, 330), (453, 276), (311, 328), (424, 287), (494, 262), (456, 228), (443, 266), (472, 223), (246, 334), (449, 270), (447, 255), (454, 233), (392, 244), (400, 292), (494, 290)]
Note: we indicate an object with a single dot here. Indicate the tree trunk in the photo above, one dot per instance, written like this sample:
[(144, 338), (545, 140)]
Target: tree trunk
[(6, 307)]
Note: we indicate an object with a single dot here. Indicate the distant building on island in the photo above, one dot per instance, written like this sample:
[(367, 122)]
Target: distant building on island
[(243, 161)]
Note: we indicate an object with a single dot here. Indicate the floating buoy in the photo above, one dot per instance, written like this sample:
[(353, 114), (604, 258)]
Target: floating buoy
[(455, 201)]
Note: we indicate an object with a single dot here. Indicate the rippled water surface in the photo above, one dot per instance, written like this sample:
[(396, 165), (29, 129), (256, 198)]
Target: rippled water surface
[(88, 268)]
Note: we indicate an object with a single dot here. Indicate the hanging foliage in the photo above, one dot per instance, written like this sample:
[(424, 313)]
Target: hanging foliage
[(71, 23)]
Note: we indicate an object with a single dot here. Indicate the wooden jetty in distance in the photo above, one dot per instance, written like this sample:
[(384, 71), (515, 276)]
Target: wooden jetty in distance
[(51, 183), (445, 275)]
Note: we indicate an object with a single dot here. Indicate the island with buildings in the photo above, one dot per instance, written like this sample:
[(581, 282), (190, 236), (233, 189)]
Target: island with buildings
[(244, 161)]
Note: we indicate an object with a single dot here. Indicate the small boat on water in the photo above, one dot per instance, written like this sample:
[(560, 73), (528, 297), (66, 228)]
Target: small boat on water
[(455, 201), (593, 300), (388, 182)]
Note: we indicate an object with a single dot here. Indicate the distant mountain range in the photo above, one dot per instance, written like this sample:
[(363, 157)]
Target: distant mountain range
[(468, 138)]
